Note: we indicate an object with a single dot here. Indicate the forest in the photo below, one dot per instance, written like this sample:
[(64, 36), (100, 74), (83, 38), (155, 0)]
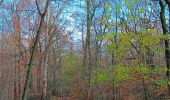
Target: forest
[(84, 50)]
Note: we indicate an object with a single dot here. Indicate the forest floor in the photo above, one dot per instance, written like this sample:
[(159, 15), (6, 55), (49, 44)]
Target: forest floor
[(130, 90)]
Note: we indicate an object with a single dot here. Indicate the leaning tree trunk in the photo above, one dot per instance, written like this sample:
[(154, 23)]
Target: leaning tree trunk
[(27, 83)]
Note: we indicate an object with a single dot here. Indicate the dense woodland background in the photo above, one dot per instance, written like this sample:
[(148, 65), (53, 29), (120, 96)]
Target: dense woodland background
[(84, 50)]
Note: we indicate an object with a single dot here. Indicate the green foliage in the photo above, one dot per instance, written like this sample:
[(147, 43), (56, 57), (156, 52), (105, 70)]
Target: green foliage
[(136, 1), (105, 19), (118, 73), (144, 71), (118, 7), (108, 6), (142, 10), (129, 6), (121, 73), (160, 70), (143, 41), (70, 61), (125, 42), (161, 83), (111, 25), (70, 58), (100, 75), (106, 36), (123, 23), (68, 70), (127, 1)]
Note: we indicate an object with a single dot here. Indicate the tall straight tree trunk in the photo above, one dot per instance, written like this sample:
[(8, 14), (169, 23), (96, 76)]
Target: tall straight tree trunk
[(88, 46), (45, 67), (87, 52), (165, 31), (113, 57), (44, 80), (27, 83)]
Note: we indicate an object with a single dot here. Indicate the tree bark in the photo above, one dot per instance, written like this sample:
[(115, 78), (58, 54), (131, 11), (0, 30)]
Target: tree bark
[(87, 50), (165, 32), (27, 83)]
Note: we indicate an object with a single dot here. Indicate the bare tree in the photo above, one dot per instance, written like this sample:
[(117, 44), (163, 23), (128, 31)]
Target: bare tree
[(42, 15)]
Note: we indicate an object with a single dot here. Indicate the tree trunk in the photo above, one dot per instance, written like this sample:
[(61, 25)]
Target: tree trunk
[(87, 50), (165, 32), (27, 83), (45, 67)]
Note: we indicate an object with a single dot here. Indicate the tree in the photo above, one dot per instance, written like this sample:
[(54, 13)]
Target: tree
[(42, 16), (87, 49), (165, 32)]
